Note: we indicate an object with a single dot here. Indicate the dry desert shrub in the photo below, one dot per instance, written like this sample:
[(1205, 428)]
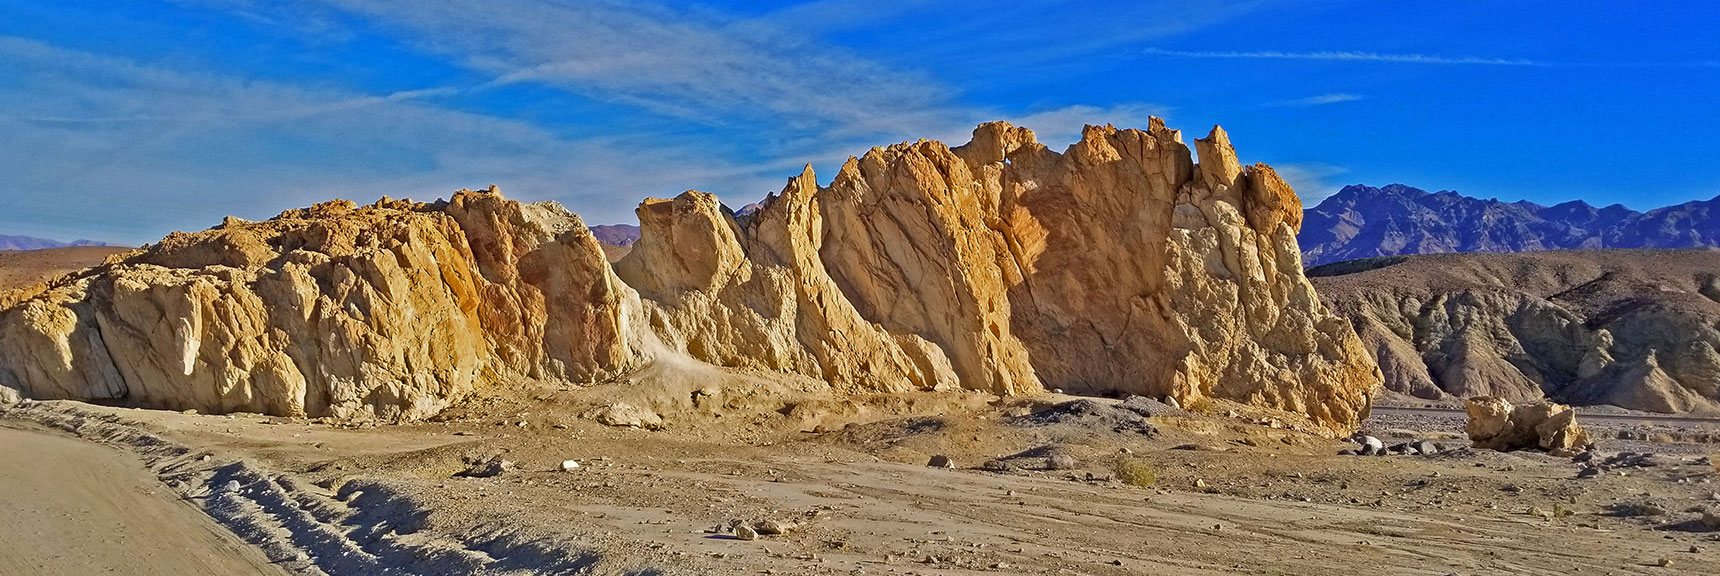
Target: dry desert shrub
[(1201, 405), (1135, 472)]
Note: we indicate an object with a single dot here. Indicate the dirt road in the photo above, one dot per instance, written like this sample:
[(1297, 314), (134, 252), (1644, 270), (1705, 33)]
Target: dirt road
[(71, 507), (1586, 416)]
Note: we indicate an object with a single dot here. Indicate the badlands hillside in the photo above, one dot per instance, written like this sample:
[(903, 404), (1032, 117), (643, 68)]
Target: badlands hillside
[(1120, 266), (1630, 328), (1364, 221)]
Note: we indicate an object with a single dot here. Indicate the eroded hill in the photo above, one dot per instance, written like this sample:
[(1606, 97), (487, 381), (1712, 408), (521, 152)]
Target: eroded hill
[(1631, 328)]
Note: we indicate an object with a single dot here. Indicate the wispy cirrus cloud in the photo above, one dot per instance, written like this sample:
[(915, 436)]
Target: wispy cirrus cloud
[(126, 151), (688, 97), (1313, 181), (1346, 56), (1411, 58), (1317, 100)]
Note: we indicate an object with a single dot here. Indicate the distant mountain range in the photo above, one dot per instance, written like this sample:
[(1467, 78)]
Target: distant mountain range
[(1364, 221), (32, 243), (616, 234)]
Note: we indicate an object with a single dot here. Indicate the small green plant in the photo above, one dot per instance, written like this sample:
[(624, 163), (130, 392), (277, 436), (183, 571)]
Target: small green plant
[(1135, 472)]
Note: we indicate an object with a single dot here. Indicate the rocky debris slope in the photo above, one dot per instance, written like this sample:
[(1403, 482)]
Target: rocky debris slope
[(1364, 221), (1631, 328), (1118, 266)]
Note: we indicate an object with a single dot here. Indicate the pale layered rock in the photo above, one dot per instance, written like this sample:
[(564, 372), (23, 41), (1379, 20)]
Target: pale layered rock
[(390, 311), (907, 240), (1117, 266), (758, 296), (1497, 424)]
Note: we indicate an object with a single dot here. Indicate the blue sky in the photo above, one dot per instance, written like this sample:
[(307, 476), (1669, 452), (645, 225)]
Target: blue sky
[(125, 120)]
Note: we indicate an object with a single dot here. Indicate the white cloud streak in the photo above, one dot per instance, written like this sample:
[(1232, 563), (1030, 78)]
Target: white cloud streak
[(1345, 56), (120, 151), (1313, 181), (1317, 100), (1357, 56)]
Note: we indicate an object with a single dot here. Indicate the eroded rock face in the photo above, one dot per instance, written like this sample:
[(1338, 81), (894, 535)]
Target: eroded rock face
[(1119, 265), (1496, 424), (387, 311)]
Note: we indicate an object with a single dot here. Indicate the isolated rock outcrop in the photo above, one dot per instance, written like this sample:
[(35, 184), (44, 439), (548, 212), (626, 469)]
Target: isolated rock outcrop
[(1631, 328), (1118, 266), (1496, 424)]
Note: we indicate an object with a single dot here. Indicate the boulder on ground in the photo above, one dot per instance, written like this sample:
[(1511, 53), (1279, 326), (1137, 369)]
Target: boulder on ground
[(624, 414), (1496, 424), (1371, 446), (9, 397)]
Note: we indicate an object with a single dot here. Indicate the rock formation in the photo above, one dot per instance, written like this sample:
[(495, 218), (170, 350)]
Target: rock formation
[(1364, 221), (1631, 328), (1118, 266), (1495, 424), (390, 310)]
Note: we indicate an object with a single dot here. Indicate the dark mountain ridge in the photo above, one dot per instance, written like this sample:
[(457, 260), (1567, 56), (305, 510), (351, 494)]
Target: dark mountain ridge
[(1363, 221)]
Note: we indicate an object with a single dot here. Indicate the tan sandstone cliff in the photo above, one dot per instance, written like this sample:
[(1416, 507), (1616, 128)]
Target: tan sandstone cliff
[(1119, 265)]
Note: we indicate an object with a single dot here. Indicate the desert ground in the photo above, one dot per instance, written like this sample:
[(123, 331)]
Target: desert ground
[(74, 507), (1034, 489), (20, 268)]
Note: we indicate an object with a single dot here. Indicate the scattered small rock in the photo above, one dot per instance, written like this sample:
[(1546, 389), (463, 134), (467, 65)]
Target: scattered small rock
[(486, 468), (569, 465), (745, 532), (624, 414)]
